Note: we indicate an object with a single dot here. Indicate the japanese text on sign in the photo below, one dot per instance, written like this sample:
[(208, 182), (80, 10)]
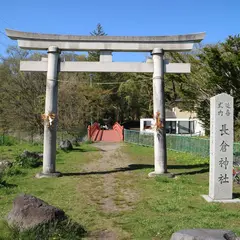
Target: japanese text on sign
[(224, 109)]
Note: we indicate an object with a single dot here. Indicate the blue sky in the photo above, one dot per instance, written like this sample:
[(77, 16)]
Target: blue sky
[(218, 18)]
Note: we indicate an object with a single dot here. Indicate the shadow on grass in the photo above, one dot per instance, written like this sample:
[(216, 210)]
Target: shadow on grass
[(83, 150), (236, 195), (133, 167), (205, 165), (204, 170), (7, 185)]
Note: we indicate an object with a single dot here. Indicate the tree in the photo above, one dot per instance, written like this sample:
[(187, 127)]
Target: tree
[(214, 70), (75, 100), (21, 93), (106, 82), (221, 65), (95, 55)]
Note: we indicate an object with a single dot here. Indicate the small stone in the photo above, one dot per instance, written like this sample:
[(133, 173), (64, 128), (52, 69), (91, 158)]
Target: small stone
[(66, 145), (5, 164), (230, 236), (29, 212), (204, 234)]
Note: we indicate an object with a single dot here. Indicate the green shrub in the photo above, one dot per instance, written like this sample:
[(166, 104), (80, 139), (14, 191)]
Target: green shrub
[(7, 140), (27, 162), (88, 142), (51, 231), (2, 181), (37, 143), (13, 171)]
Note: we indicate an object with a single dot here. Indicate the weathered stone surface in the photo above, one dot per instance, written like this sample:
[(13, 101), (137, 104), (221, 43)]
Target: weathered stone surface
[(221, 147), (28, 154), (4, 164), (29, 212), (66, 145), (231, 236), (13, 34), (42, 66), (204, 234), (105, 43)]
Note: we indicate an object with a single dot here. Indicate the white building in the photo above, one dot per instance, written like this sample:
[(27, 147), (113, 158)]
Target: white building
[(177, 122)]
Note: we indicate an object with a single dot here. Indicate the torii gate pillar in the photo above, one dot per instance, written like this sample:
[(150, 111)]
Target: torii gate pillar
[(160, 149), (50, 116)]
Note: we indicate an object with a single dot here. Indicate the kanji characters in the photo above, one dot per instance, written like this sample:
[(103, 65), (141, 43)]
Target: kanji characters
[(224, 108), (223, 146), (220, 113), (224, 162), (227, 105), (220, 105), (223, 178), (224, 130), (228, 112)]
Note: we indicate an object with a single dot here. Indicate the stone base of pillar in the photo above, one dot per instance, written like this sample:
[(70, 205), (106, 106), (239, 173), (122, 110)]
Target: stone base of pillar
[(209, 199), (154, 174), (48, 175)]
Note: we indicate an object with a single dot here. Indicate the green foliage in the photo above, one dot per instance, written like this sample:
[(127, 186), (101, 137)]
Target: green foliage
[(27, 162), (88, 142), (6, 140), (13, 171), (2, 181), (99, 31), (21, 95), (216, 70), (58, 230)]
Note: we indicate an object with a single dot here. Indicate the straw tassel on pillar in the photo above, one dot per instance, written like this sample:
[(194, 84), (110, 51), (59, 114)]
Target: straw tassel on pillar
[(50, 118)]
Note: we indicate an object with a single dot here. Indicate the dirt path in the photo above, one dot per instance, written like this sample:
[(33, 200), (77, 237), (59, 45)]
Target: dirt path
[(111, 185), (111, 163)]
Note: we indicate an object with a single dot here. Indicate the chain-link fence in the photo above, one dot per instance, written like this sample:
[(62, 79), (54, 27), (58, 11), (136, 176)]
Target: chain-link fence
[(194, 145), (144, 139)]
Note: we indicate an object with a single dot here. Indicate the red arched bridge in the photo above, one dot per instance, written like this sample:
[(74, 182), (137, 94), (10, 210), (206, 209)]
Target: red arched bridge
[(95, 133)]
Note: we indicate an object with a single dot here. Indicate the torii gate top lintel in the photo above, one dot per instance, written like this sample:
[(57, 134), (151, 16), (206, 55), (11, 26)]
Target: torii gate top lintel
[(38, 41)]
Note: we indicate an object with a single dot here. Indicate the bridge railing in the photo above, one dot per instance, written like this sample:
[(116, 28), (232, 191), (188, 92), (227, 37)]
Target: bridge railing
[(117, 127), (92, 129)]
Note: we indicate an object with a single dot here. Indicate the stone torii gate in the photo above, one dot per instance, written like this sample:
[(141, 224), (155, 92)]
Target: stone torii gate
[(54, 44)]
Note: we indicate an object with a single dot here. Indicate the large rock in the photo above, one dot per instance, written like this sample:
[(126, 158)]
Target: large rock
[(4, 164), (66, 145), (204, 234), (29, 212)]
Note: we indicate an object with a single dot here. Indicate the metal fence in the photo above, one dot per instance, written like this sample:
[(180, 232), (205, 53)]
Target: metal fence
[(194, 145)]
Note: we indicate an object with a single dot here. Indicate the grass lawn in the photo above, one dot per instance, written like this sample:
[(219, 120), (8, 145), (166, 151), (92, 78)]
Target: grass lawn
[(161, 205), (169, 205)]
